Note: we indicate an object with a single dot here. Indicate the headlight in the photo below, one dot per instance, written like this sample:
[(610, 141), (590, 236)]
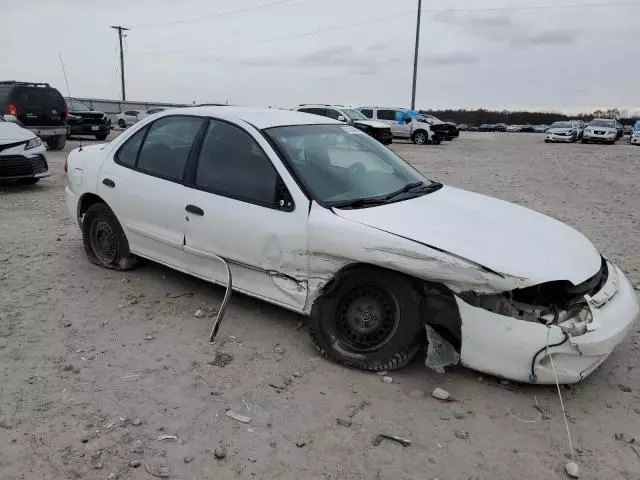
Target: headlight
[(33, 143)]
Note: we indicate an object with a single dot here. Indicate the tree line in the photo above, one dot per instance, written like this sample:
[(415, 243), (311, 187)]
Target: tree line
[(480, 116)]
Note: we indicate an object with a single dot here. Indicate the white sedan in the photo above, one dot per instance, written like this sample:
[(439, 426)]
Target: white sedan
[(127, 118), (22, 153), (562, 132), (319, 218)]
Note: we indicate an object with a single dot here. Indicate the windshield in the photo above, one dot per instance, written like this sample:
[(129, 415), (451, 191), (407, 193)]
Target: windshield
[(354, 114), (340, 164), (76, 106), (561, 125), (602, 123), (636, 127)]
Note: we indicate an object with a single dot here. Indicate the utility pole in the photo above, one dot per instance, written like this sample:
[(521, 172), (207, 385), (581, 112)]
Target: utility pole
[(120, 29), (415, 58)]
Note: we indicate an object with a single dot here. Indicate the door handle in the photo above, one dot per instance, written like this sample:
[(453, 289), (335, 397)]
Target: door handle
[(109, 183), (195, 210)]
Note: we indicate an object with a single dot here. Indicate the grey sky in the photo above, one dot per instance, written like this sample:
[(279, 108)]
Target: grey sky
[(474, 53)]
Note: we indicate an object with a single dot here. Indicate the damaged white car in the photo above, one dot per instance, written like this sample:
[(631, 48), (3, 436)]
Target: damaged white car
[(319, 218)]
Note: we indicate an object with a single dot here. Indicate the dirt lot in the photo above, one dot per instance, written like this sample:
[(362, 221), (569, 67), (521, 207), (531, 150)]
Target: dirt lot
[(97, 365)]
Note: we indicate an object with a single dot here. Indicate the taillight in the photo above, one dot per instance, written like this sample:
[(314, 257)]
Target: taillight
[(65, 166), (13, 110), (65, 114)]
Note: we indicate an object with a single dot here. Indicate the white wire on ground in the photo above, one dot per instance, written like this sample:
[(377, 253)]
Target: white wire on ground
[(564, 414)]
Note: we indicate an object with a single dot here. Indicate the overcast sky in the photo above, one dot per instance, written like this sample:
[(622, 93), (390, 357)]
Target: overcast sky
[(504, 54)]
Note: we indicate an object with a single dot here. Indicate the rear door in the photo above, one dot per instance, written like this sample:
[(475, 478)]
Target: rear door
[(38, 106), (390, 117), (143, 185)]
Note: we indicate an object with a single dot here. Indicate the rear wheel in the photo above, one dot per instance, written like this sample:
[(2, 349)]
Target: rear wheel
[(57, 143), (122, 124), (420, 137), (371, 319), (104, 240), (102, 136)]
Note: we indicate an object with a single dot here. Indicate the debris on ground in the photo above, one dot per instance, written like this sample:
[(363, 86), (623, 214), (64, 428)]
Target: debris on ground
[(363, 404), (168, 437), (462, 435), (187, 459), (382, 373), (67, 323), (198, 313), (459, 414), (387, 379), (440, 394), (220, 453), (636, 450), (300, 443), (572, 469), (440, 353), (190, 294), (343, 422), (624, 437), (402, 441), (135, 463), (278, 349), (136, 422), (624, 388), (249, 406), (237, 416), (148, 338), (221, 360), (161, 471), (252, 459), (546, 412)]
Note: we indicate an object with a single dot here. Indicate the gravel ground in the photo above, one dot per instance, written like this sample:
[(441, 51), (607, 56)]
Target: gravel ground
[(96, 366)]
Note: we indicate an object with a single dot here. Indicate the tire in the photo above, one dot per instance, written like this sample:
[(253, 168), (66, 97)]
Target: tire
[(448, 139), (584, 140), (58, 142), (113, 251), (121, 123), (387, 298), (102, 136), (28, 181), (546, 140), (420, 137)]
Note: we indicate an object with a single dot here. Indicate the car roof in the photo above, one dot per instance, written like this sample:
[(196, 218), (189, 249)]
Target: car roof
[(258, 117)]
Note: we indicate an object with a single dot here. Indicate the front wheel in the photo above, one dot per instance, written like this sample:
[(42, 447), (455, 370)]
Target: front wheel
[(122, 124), (105, 243), (370, 319), (102, 136), (420, 137)]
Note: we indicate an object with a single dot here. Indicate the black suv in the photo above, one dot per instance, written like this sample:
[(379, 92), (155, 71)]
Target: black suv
[(83, 120), (39, 107)]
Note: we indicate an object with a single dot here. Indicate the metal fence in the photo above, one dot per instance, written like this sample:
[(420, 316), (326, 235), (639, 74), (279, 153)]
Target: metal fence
[(114, 107)]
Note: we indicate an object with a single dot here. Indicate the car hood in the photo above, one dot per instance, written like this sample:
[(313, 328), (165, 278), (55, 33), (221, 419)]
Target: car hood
[(560, 130), (11, 132), (603, 129), (371, 123), (499, 235)]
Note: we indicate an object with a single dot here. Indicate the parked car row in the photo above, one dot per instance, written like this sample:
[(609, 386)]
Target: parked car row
[(130, 117), (598, 130)]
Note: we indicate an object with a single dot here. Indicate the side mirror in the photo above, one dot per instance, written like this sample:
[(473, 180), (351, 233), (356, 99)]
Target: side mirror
[(341, 118), (12, 119)]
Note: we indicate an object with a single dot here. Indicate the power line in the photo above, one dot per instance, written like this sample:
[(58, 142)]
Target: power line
[(383, 19), (213, 16)]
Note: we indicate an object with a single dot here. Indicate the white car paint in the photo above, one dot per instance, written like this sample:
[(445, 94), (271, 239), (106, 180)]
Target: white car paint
[(471, 243), (128, 117), (400, 129)]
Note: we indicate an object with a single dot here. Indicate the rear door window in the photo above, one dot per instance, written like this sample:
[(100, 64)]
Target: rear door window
[(167, 146), (367, 112), (387, 114)]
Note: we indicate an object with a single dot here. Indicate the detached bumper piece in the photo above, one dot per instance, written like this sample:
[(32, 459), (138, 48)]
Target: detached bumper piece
[(14, 167)]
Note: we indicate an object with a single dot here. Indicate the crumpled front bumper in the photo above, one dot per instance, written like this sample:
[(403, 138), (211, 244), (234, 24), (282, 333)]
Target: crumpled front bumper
[(516, 349)]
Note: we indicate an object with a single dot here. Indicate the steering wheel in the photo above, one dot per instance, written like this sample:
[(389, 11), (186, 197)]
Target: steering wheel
[(357, 168)]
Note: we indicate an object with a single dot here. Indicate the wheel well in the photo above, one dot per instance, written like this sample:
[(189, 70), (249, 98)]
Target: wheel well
[(441, 310), (86, 201), (420, 130)]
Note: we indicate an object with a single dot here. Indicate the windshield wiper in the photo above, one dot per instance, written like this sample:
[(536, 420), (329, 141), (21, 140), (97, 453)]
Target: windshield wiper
[(432, 187), (360, 202)]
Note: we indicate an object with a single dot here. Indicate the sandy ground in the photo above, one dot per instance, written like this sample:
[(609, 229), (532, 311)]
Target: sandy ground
[(95, 365)]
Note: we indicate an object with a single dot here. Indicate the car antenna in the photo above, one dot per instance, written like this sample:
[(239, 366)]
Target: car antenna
[(64, 72)]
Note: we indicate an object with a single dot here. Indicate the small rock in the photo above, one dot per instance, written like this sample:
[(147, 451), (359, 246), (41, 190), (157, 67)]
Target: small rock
[(440, 394), (445, 417), (572, 469), (459, 414), (608, 405), (382, 373), (355, 390), (68, 368), (112, 475), (148, 338), (300, 443), (624, 437), (431, 460), (278, 349), (252, 460), (198, 313), (387, 379), (124, 280), (135, 463), (624, 388), (67, 323), (220, 453), (187, 459), (98, 466), (343, 422), (416, 393), (297, 374), (133, 301), (461, 435), (136, 422)]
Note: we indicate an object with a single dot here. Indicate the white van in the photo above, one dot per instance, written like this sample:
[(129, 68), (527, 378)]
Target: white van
[(402, 125)]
